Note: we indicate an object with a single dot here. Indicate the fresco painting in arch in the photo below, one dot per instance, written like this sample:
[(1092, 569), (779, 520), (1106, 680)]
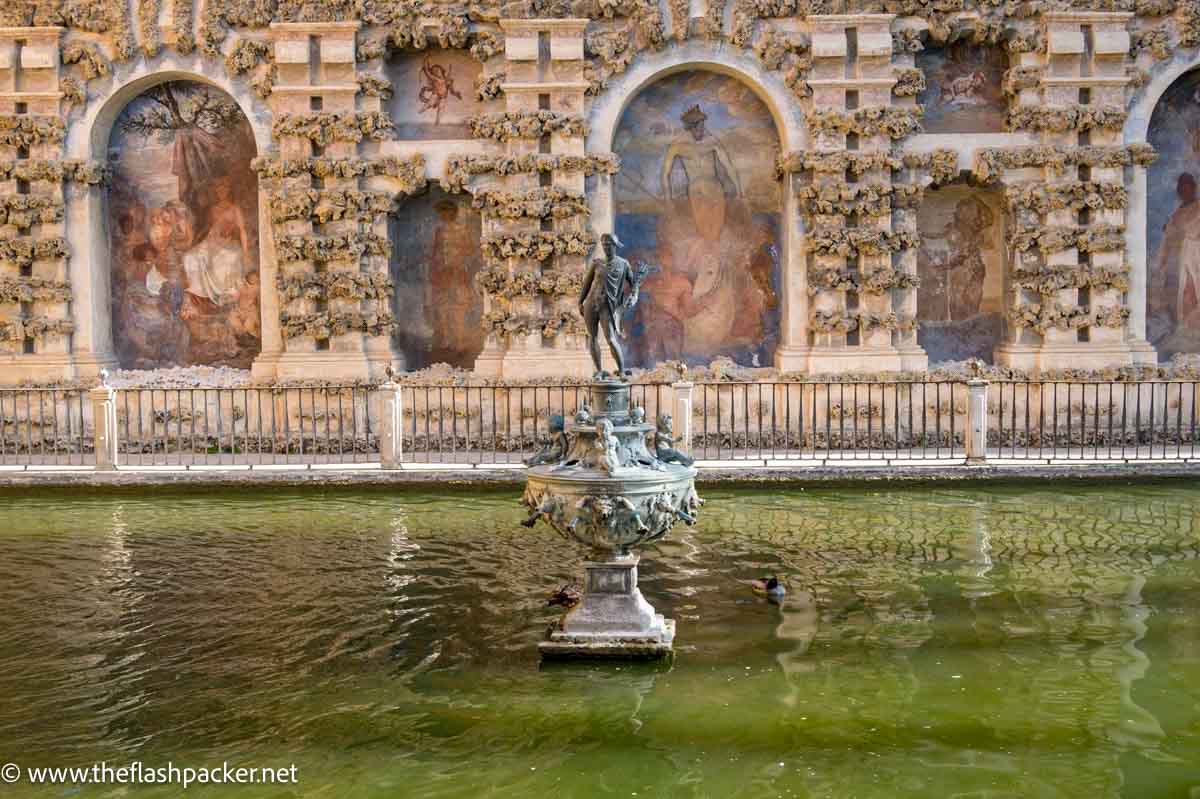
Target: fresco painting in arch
[(438, 304), (183, 222), (961, 266), (1173, 221), (433, 94), (697, 200), (963, 89)]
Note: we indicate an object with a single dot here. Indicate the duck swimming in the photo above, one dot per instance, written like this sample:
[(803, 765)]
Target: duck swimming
[(768, 586), (568, 596)]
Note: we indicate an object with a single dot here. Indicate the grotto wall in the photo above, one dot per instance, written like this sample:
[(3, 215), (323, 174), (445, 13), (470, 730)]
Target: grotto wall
[(326, 190)]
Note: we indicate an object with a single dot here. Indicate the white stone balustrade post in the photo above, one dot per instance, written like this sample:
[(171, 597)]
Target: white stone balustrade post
[(104, 427), (977, 404), (682, 415), (391, 430)]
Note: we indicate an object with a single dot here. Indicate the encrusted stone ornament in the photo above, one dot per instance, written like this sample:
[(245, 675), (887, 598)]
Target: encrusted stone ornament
[(601, 486)]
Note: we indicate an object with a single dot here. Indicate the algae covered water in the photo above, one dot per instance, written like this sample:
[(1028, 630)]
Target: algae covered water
[(975, 643)]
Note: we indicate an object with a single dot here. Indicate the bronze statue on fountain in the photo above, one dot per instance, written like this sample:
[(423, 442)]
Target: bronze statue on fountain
[(610, 288), (610, 481)]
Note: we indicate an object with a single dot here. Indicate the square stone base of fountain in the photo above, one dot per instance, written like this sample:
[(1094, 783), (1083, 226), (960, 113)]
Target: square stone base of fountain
[(563, 646), (613, 620)]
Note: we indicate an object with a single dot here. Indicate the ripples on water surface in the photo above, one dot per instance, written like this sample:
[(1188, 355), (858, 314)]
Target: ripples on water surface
[(980, 643)]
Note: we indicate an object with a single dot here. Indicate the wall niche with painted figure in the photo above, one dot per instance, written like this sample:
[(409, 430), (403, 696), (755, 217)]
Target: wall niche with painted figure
[(1173, 221), (433, 94), (696, 199), (183, 230), (963, 89), (436, 255), (960, 262)]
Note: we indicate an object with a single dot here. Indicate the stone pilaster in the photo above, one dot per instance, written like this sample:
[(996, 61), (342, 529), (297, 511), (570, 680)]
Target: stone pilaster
[(36, 324), (544, 70), (858, 252), (1068, 224), (330, 232)]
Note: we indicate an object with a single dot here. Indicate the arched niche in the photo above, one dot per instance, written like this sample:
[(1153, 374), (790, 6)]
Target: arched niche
[(437, 301), (697, 200), (960, 262), (963, 88), (1173, 213), (182, 215)]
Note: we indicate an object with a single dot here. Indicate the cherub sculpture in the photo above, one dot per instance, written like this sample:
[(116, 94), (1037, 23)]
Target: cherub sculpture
[(601, 512), (556, 448), (664, 512), (606, 447), (638, 414), (664, 443)]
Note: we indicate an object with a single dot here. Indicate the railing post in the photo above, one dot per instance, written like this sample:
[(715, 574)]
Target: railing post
[(104, 427), (391, 432), (682, 415), (977, 391)]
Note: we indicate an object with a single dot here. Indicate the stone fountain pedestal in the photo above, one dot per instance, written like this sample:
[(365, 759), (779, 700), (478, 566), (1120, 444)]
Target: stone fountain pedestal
[(602, 484), (613, 620)]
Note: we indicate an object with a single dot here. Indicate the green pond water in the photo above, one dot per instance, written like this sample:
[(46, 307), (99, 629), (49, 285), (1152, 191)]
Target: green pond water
[(1023, 642)]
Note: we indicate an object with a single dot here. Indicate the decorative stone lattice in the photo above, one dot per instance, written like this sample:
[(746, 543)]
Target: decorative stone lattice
[(334, 293), (531, 194), (1066, 198), (856, 203), (36, 322)]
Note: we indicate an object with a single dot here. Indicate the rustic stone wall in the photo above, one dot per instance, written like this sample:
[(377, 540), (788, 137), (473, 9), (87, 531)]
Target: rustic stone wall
[(843, 87)]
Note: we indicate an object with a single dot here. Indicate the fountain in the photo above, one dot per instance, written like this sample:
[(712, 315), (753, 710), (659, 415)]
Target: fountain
[(598, 483)]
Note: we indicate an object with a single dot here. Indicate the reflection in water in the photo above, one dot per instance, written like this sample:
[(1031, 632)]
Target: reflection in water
[(981, 643)]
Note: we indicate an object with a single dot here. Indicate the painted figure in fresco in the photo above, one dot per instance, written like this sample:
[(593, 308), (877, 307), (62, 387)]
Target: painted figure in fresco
[(965, 90), (609, 288), (704, 176), (952, 265), (453, 300), (704, 296), (148, 291), (437, 87), (1175, 290), (213, 271), (184, 201)]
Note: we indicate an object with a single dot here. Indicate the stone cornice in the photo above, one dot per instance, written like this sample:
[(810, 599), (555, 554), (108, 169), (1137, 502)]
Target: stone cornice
[(292, 29), (575, 25)]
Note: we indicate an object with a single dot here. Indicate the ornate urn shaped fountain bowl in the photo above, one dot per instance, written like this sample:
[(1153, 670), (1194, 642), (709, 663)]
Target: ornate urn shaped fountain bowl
[(598, 483)]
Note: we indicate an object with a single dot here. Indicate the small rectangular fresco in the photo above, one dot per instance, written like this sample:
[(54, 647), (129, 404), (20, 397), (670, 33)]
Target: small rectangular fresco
[(433, 94), (963, 89), (1173, 221), (437, 302), (697, 202), (961, 265), (183, 223)]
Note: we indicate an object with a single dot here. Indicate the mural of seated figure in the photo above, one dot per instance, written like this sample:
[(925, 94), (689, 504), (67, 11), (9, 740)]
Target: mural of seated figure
[(696, 197), (183, 207)]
